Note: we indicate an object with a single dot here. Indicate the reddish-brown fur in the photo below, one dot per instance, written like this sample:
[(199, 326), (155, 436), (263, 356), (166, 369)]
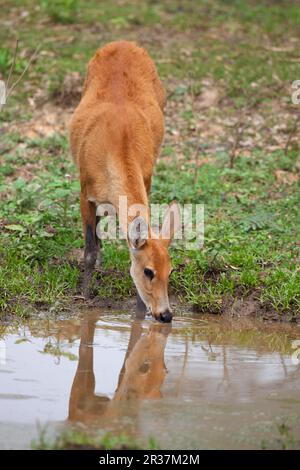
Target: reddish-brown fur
[(141, 376), (116, 133)]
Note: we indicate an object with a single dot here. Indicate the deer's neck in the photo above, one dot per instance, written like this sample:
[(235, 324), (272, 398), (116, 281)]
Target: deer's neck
[(133, 202)]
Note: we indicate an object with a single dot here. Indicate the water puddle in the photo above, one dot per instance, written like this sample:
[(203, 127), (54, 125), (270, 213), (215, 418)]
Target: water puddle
[(200, 383)]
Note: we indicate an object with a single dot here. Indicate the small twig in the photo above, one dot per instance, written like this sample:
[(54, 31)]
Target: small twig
[(23, 73), (198, 148), (239, 129), (292, 133), (196, 155), (12, 67), (185, 360), (241, 124)]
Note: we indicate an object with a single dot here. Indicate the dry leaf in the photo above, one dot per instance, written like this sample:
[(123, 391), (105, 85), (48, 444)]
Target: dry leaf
[(208, 98), (286, 177)]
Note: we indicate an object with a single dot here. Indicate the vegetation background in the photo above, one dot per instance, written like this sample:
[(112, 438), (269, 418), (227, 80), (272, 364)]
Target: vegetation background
[(232, 143)]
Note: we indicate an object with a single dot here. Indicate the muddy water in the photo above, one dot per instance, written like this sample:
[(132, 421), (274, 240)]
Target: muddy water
[(200, 383)]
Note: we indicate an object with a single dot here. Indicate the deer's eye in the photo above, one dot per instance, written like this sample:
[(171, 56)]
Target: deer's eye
[(149, 273)]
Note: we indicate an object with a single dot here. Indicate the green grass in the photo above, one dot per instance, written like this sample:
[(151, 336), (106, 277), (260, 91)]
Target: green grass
[(61, 11), (229, 41), (249, 240), (284, 438), (74, 439), (252, 224)]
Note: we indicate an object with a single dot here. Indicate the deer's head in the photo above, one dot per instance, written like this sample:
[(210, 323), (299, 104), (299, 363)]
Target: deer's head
[(151, 264)]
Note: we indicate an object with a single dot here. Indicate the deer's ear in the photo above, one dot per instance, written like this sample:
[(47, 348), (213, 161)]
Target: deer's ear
[(171, 222), (137, 233)]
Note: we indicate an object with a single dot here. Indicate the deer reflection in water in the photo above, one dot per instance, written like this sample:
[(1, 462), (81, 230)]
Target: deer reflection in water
[(141, 376)]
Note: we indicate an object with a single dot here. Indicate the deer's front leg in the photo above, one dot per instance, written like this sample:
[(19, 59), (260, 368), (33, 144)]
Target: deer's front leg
[(88, 214)]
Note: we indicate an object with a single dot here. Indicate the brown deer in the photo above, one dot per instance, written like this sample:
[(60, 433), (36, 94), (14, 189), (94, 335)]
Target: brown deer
[(116, 133), (141, 377)]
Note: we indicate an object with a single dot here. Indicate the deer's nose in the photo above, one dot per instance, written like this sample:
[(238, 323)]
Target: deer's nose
[(166, 316)]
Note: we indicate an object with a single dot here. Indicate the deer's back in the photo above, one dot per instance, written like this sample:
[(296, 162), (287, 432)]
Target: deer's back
[(121, 107)]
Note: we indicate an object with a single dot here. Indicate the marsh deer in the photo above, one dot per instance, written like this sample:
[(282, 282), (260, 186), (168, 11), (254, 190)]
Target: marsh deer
[(116, 133), (141, 376)]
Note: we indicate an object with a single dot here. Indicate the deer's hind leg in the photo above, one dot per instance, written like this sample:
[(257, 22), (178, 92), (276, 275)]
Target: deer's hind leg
[(88, 214)]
